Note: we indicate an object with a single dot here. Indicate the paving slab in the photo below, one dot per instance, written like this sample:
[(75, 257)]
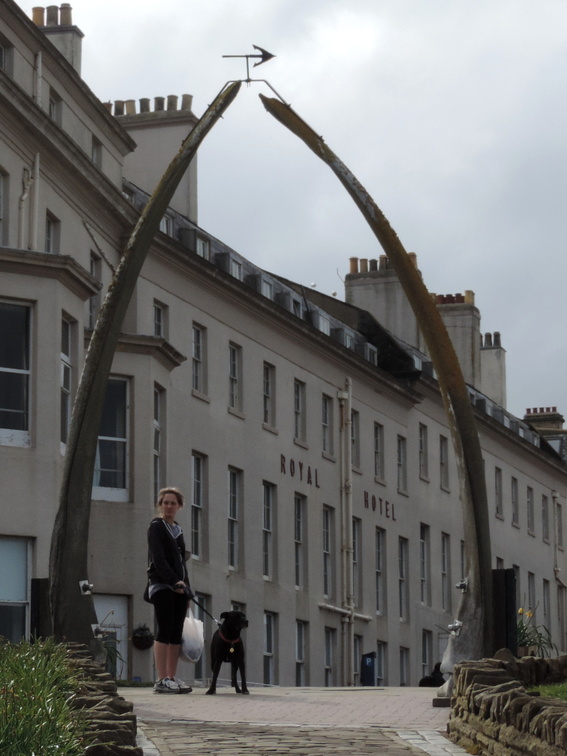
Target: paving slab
[(297, 721)]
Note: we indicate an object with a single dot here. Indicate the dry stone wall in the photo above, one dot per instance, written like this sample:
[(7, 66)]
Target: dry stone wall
[(493, 712)]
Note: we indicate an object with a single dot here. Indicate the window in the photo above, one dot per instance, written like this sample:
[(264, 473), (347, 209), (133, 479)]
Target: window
[(234, 377), (519, 600), (530, 510), (112, 449), (546, 604), (269, 395), (160, 312), (166, 225), (300, 646), (298, 536), (426, 649), (404, 666), (380, 577), (267, 531), (402, 464), (236, 269), (269, 648), (198, 372), (14, 588), (515, 502), (445, 572), (444, 463), (532, 603), (561, 607), (424, 564), (355, 437), (267, 288), (423, 457), (327, 424), (6, 56), (14, 374), (463, 561), (299, 410), (203, 248), (66, 379), (327, 551), (96, 152), (324, 324), (54, 107), (559, 525), (94, 301), (202, 666), (198, 465), (159, 401), (379, 451), (52, 234), (3, 208), (381, 663), (330, 646), (498, 507), (234, 498), (545, 518), (356, 560), (403, 556)]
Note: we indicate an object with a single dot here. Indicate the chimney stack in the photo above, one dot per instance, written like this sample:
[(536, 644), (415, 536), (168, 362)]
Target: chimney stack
[(57, 24)]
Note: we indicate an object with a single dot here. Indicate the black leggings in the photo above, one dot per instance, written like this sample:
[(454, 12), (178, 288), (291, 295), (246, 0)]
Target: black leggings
[(170, 609)]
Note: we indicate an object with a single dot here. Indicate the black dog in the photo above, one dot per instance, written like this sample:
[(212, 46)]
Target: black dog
[(227, 646)]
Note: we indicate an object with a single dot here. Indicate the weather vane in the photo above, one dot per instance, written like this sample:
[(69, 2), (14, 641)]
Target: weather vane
[(264, 57)]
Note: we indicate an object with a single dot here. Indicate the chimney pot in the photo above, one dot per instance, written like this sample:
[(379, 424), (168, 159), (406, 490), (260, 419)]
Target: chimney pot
[(38, 16), (488, 339), (497, 338), (66, 17), (52, 15), (353, 264), (118, 107), (159, 103), (413, 257), (186, 101), (130, 107), (373, 265), (172, 102), (364, 265), (144, 105), (469, 296), (383, 262)]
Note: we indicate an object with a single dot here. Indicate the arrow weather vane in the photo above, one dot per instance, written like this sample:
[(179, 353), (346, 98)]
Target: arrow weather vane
[(264, 57)]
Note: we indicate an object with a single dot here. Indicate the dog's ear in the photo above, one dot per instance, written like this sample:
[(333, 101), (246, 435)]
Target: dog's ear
[(224, 615)]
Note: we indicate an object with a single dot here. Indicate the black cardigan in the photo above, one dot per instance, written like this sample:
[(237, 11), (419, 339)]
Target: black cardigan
[(166, 555)]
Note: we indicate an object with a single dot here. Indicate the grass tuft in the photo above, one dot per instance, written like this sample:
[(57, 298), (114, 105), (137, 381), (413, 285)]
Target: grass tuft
[(36, 690)]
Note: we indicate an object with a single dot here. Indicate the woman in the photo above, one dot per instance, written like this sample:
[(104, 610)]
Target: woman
[(168, 590)]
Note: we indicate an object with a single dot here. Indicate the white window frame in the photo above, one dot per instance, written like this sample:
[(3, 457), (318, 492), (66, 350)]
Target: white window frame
[(424, 565), (203, 248), (328, 583), (109, 493), (199, 359), (356, 560), (444, 463), (234, 377), (269, 395), (301, 631), (158, 462), (355, 437), (545, 518), (234, 505), (530, 509), (514, 498), (446, 572), (498, 496), (402, 460), (20, 436), (330, 654), (299, 510), (270, 627), (268, 539), (66, 380), (299, 410), (198, 492), (327, 424), (403, 576), (423, 452), (52, 234), (379, 451), (379, 569), (14, 553)]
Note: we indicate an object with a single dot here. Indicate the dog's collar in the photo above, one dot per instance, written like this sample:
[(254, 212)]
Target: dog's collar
[(227, 640)]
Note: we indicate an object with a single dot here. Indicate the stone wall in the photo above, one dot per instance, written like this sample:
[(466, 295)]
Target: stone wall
[(493, 711)]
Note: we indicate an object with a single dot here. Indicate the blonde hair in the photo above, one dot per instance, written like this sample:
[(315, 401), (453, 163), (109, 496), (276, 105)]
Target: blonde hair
[(170, 490)]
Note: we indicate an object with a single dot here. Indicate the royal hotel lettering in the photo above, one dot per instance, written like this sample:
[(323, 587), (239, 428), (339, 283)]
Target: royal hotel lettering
[(386, 508), (303, 472)]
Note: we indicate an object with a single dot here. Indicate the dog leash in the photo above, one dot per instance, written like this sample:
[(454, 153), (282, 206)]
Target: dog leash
[(206, 612)]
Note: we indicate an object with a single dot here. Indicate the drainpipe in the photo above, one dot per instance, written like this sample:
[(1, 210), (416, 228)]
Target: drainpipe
[(34, 209), (347, 634)]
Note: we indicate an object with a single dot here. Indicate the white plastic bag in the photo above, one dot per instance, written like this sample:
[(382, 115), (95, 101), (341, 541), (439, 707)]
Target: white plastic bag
[(193, 639)]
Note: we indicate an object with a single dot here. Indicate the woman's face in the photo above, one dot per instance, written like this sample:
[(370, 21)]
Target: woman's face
[(169, 507)]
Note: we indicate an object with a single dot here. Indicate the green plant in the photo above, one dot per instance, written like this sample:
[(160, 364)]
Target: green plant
[(558, 690), (533, 636), (36, 690)]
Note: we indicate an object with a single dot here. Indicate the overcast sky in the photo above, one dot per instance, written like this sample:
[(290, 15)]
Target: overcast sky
[(452, 114)]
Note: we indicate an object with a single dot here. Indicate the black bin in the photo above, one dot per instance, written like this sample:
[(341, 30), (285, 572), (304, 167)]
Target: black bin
[(368, 669)]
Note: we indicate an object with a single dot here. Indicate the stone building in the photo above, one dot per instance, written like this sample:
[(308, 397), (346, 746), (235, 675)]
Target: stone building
[(307, 433)]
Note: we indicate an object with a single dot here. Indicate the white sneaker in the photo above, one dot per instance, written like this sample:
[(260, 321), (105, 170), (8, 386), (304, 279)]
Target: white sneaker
[(167, 685), (183, 687)]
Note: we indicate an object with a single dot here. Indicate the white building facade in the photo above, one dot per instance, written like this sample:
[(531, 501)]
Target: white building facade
[(307, 434)]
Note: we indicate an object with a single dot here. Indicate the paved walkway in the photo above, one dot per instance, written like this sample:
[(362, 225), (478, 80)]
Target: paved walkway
[(297, 721)]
